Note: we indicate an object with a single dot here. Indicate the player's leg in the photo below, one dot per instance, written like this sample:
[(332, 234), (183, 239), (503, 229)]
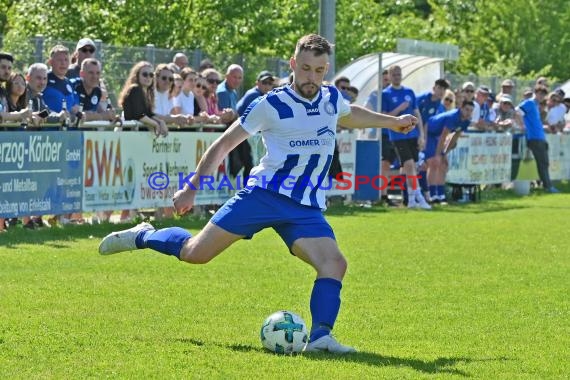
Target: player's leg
[(324, 255), (229, 224)]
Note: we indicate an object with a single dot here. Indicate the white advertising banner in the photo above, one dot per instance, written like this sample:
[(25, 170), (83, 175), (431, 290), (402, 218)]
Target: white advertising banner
[(130, 170), (480, 158)]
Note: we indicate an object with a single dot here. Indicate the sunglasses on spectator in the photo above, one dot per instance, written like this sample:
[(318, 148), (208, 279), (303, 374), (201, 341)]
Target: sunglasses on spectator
[(167, 78), (448, 99), (202, 86), (212, 81), (87, 50), (343, 88), (148, 74), (267, 82), (468, 90)]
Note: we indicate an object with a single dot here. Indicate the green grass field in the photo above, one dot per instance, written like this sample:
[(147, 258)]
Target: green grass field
[(467, 291)]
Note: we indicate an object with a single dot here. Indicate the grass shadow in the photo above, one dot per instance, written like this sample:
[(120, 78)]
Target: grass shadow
[(439, 365)]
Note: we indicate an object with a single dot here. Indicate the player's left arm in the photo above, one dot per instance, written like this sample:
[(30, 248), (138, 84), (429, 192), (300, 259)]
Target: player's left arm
[(360, 117), (451, 142)]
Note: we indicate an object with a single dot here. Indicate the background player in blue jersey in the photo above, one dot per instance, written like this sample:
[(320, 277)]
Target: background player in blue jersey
[(399, 100), (439, 128), (297, 123), (430, 104)]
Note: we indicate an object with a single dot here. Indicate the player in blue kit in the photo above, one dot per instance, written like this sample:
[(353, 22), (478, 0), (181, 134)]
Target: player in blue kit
[(399, 100), (297, 123), (439, 128)]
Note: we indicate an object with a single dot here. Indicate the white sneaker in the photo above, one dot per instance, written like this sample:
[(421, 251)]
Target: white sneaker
[(123, 240), (412, 202), (328, 343), (422, 203)]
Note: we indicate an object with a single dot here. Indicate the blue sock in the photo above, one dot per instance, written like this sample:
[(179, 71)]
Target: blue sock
[(432, 190), (167, 240), (441, 189), (325, 304)]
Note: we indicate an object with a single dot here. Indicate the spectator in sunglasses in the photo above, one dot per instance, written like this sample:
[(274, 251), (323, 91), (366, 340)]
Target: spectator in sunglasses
[(85, 49), (163, 103)]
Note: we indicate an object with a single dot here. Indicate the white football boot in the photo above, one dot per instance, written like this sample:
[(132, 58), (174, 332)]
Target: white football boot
[(328, 343), (122, 241)]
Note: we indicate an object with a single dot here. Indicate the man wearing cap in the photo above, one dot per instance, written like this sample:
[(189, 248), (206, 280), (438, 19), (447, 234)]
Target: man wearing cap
[(535, 137), (507, 88), (481, 115), (508, 120), (263, 84), (85, 49)]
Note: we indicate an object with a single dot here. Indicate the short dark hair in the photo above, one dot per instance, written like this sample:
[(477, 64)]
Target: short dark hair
[(315, 43), (353, 89), (467, 103), (341, 79), (7, 56), (540, 88), (442, 83)]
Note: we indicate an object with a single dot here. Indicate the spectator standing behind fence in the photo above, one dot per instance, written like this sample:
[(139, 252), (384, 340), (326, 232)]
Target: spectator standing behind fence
[(448, 100), (213, 80), (84, 49), (481, 116), (37, 82), (90, 94), (535, 137), (17, 101), (555, 117), (507, 88), (508, 120), (137, 101), (199, 91), (263, 84), (240, 156), (6, 63), (163, 104), (18, 104), (180, 60), (59, 87), (398, 100)]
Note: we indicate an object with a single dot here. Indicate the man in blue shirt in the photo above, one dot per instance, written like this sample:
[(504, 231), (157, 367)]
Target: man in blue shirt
[(399, 100), (535, 138), (438, 129), (241, 156), (429, 104), (59, 87)]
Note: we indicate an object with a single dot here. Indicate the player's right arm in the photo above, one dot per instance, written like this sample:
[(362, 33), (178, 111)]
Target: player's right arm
[(215, 154), (360, 117)]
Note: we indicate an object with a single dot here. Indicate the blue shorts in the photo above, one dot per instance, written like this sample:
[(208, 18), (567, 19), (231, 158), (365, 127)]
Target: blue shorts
[(251, 210), (431, 146)]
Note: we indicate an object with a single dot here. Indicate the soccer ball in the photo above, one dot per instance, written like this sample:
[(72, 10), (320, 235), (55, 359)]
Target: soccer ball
[(284, 332)]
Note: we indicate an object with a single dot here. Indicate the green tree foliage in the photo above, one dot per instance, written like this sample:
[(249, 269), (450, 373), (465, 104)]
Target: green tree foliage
[(513, 37)]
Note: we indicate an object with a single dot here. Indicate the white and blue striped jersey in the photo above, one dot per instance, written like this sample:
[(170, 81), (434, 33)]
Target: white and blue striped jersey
[(299, 137)]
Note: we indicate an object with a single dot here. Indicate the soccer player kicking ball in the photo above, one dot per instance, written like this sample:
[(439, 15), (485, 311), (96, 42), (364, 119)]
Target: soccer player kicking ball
[(443, 131), (297, 123)]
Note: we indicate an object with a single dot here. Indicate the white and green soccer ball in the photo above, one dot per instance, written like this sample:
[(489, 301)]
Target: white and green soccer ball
[(284, 332)]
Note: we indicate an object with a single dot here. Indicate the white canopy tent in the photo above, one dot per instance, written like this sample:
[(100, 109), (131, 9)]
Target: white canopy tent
[(419, 72)]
